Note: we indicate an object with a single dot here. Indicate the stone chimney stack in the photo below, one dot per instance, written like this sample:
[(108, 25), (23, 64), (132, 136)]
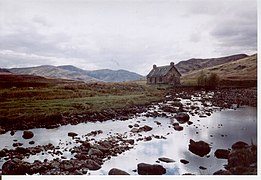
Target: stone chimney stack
[(172, 63), (154, 66)]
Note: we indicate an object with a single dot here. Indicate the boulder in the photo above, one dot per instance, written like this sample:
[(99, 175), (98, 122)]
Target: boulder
[(184, 161), (135, 130), (115, 171), (31, 142), (239, 145), (72, 134), (17, 144), (178, 128), (190, 122), (157, 122), (15, 167), (199, 148), (12, 132), (222, 153), (167, 160), (202, 168), (148, 169), (28, 134), (91, 165), (182, 117), (146, 128), (94, 151), (86, 144)]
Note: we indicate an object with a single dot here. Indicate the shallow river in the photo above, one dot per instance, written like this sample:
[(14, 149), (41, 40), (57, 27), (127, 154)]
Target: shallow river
[(221, 130)]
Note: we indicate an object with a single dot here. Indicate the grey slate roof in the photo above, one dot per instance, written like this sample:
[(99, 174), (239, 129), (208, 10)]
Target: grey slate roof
[(160, 71)]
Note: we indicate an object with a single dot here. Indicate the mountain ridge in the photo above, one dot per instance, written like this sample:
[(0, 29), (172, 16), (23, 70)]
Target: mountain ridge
[(192, 64), (71, 72), (240, 72)]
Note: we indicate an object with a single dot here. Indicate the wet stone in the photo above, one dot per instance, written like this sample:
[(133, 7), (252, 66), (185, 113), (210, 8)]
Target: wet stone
[(199, 148), (167, 160), (28, 134), (115, 171), (202, 168), (184, 161), (148, 169), (72, 134)]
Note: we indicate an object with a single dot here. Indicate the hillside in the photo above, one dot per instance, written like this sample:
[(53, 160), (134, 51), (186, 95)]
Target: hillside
[(241, 72), (4, 71), (9, 80), (108, 75), (74, 73), (53, 72), (195, 64)]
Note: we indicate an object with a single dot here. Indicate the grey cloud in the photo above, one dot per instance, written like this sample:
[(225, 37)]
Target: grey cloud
[(12, 59), (40, 20), (236, 33), (195, 37)]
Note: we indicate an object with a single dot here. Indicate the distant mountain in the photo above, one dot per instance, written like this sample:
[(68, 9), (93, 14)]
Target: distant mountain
[(74, 73), (72, 68), (240, 72), (195, 64), (4, 70), (53, 72), (108, 75)]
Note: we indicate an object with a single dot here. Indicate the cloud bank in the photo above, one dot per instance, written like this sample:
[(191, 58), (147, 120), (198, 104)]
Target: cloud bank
[(131, 34)]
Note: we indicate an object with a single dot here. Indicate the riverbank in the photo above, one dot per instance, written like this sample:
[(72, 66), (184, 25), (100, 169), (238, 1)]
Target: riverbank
[(181, 112), (27, 108)]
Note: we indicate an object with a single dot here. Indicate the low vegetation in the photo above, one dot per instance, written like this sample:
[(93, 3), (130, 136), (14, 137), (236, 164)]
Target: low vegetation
[(239, 73), (35, 102)]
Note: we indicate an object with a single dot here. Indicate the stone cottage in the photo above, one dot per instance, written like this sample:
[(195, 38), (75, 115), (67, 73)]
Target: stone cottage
[(164, 75)]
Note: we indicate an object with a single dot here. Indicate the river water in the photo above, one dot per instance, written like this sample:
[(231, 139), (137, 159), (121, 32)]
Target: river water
[(220, 130)]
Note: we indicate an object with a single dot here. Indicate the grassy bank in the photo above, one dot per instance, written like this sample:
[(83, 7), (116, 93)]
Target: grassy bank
[(32, 103)]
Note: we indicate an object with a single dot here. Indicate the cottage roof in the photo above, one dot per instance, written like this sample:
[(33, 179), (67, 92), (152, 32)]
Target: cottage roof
[(159, 71)]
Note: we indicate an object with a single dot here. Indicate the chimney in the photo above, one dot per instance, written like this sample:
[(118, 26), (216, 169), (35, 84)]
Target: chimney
[(172, 63), (154, 66)]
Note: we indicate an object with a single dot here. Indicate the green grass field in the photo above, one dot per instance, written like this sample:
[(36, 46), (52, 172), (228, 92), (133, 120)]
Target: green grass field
[(26, 103)]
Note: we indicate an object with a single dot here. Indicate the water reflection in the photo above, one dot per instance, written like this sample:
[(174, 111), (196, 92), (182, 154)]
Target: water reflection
[(221, 130)]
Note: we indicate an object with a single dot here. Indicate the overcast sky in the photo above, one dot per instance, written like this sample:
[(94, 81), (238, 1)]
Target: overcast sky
[(123, 34)]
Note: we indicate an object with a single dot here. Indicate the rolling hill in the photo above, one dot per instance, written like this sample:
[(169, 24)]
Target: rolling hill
[(196, 64), (241, 72), (108, 75), (53, 72), (74, 73)]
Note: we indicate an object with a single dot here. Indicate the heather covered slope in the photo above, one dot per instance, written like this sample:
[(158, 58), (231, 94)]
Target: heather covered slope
[(242, 72), (193, 64)]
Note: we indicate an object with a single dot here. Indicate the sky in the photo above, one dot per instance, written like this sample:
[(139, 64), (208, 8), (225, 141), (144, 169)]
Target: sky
[(123, 34)]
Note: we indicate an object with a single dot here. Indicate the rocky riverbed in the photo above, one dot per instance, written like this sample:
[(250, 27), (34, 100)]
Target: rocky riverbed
[(180, 114)]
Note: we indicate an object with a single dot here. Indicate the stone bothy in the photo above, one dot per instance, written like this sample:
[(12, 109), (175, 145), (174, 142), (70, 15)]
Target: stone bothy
[(164, 75)]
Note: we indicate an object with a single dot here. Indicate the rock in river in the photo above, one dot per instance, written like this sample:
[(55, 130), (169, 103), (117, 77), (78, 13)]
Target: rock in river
[(72, 134), (92, 165), (94, 151), (28, 134), (239, 145), (178, 128), (199, 148), (222, 153), (184, 161), (182, 117), (115, 171), (148, 169), (15, 167), (167, 160)]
